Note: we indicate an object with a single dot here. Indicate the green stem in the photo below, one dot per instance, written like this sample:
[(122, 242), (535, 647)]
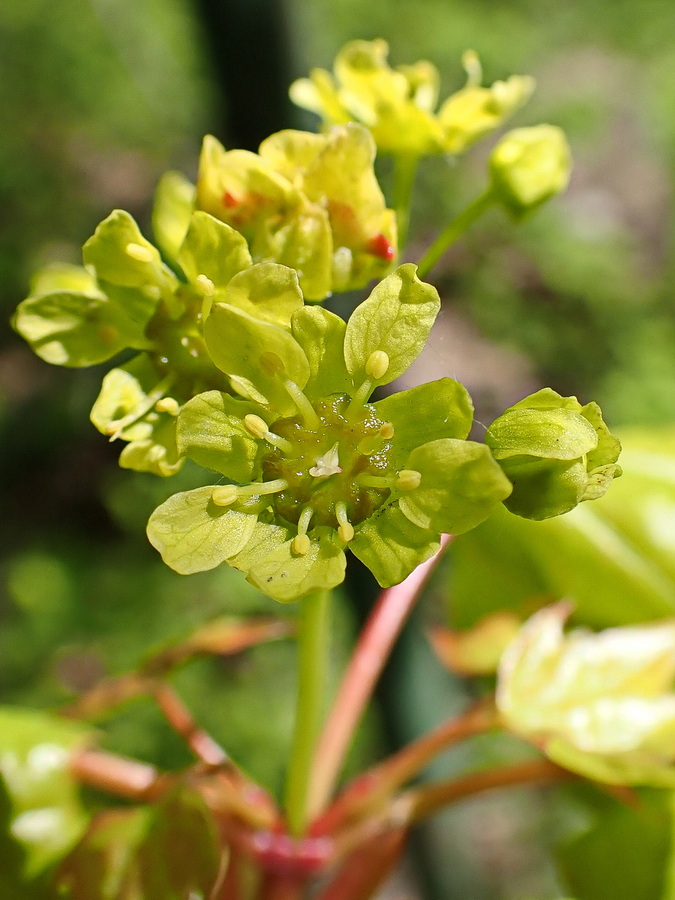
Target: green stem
[(313, 628), (453, 231), (405, 168)]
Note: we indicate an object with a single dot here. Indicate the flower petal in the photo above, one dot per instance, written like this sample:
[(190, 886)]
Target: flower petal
[(392, 546)]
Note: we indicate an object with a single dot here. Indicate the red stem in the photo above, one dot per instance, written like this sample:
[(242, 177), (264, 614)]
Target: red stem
[(372, 650), (366, 869)]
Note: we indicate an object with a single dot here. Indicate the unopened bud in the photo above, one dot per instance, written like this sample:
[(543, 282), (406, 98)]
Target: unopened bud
[(528, 166)]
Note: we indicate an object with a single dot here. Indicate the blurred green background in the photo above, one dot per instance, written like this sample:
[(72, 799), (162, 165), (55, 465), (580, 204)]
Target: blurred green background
[(97, 99)]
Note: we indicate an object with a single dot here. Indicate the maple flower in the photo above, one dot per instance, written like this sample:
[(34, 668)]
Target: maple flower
[(398, 105), (127, 298), (313, 467), (598, 704)]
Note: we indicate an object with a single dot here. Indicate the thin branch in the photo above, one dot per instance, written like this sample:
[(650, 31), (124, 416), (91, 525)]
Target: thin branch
[(363, 670)]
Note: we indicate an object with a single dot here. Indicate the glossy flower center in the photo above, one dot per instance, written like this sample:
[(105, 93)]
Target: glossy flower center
[(323, 466)]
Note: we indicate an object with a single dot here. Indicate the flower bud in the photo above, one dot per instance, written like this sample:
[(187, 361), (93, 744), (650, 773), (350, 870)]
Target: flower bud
[(555, 452), (528, 166)]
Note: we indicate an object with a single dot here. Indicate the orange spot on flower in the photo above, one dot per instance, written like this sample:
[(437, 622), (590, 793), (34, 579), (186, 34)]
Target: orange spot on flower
[(229, 200), (379, 246)]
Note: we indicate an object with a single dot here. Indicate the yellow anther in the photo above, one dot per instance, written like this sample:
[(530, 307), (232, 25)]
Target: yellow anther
[(345, 527), (300, 545), (139, 252), (168, 405), (377, 364), (205, 285), (255, 426), (225, 495), (387, 431), (408, 480)]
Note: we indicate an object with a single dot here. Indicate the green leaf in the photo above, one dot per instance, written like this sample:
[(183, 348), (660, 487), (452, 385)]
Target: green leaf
[(70, 328), (438, 409), (321, 335), (211, 432), (392, 546), (171, 212), (35, 753), (615, 558), (110, 250), (214, 249), (266, 291), (461, 485), (165, 852), (286, 577), (258, 351), (396, 319), (626, 853), (192, 534)]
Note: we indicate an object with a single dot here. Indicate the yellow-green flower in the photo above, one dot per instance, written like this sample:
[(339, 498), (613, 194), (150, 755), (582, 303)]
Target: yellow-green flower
[(313, 467), (599, 704), (399, 105)]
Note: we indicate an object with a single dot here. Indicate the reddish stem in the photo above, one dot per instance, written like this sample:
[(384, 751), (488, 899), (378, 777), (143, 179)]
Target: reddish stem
[(422, 802), (366, 869), (117, 775), (371, 790), (372, 650)]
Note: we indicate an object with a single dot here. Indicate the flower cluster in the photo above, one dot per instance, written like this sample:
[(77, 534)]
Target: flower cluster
[(308, 201), (398, 105), (315, 467)]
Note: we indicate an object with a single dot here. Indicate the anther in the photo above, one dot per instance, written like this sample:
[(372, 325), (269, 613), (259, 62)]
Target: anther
[(257, 428), (168, 405), (139, 252), (205, 285), (408, 480), (386, 432), (225, 495), (300, 545), (377, 364), (345, 527)]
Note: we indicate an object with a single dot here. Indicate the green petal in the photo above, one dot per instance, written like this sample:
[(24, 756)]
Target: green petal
[(286, 577), (260, 352), (266, 291), (174, 199), (213, 249), (461, 485), (609, 447), (291, 152), (63, 277), (304, 243), (546, 433), (397, 319), (108, 251), (158, 453), (438, 409), (211, 432), (192, 534), (392, 546), (545, 487), (321, 333)]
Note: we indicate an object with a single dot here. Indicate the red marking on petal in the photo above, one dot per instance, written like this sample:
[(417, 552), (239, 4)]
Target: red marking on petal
[(229, 200), (379, 246)]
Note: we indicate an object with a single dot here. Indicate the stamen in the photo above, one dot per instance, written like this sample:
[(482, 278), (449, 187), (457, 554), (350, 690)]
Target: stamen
[(387, 431), (328, 464), (377, 364), (139, 252), (359, 398), (258, 489), (225, 495), (115, 429), (376, 481), (257, 428), (345, 528), (305, 519), (168, 405), (305, 408), (300, 545), (205, 285), (374, 442), (408, 479)]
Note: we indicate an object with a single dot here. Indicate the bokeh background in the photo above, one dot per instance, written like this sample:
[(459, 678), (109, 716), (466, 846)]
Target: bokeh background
[(97, 99)]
